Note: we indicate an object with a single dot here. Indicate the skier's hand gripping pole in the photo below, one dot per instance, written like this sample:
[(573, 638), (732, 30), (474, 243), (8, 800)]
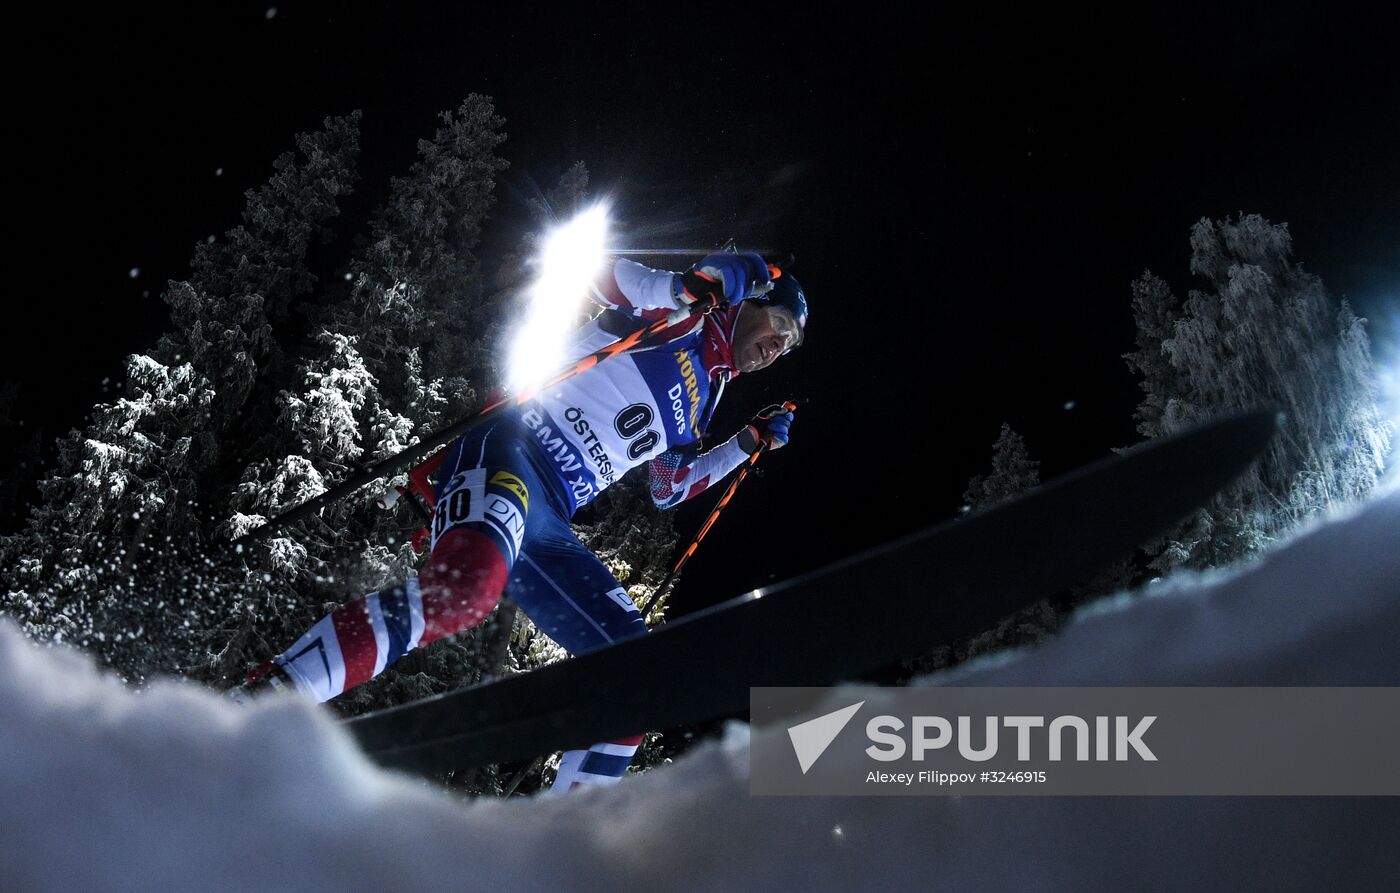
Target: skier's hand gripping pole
[(768, 429), (765, 441)]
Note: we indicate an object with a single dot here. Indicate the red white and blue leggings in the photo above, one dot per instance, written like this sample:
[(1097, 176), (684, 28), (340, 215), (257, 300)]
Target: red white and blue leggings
[(500, 525)]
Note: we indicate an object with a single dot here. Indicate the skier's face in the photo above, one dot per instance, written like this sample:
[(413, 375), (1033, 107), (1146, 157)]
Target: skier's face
[(761, 335)]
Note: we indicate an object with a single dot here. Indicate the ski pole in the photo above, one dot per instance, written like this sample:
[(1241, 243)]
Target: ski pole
[(518, 777), (659, 596), (702, 305)]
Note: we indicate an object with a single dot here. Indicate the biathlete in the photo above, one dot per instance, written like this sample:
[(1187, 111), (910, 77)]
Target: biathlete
[(506, 491)]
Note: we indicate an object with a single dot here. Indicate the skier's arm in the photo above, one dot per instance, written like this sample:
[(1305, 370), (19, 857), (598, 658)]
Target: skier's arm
[(635, 289), (677, 475)]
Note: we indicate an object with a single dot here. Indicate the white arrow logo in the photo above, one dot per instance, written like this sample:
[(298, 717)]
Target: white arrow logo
[(811, 738)]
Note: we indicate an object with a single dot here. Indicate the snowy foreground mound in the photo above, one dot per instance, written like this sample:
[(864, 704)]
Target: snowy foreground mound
[(174, 789)]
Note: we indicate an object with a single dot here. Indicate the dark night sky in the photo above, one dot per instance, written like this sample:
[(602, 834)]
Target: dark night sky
[(969, 197)]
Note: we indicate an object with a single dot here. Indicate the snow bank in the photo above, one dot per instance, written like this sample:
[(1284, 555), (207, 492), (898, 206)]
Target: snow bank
[(173, 789)]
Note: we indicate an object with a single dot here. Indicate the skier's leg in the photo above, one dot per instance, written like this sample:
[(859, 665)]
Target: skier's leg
[(479, 526), (573, 598), (602, 764), (355, 642)]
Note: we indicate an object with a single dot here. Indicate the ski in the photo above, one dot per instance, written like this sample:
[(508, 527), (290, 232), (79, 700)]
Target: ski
[(854, 617)]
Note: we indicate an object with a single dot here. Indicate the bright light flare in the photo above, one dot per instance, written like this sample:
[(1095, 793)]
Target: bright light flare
[(571, 257)]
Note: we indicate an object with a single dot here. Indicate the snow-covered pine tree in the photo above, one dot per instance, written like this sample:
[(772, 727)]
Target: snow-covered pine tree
[(418, 304), (116, 555), (1013, 472), (415, 297), (1263, 333), (243, 410)]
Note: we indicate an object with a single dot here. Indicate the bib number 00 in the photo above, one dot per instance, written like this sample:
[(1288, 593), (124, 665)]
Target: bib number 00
[(631, 424)]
